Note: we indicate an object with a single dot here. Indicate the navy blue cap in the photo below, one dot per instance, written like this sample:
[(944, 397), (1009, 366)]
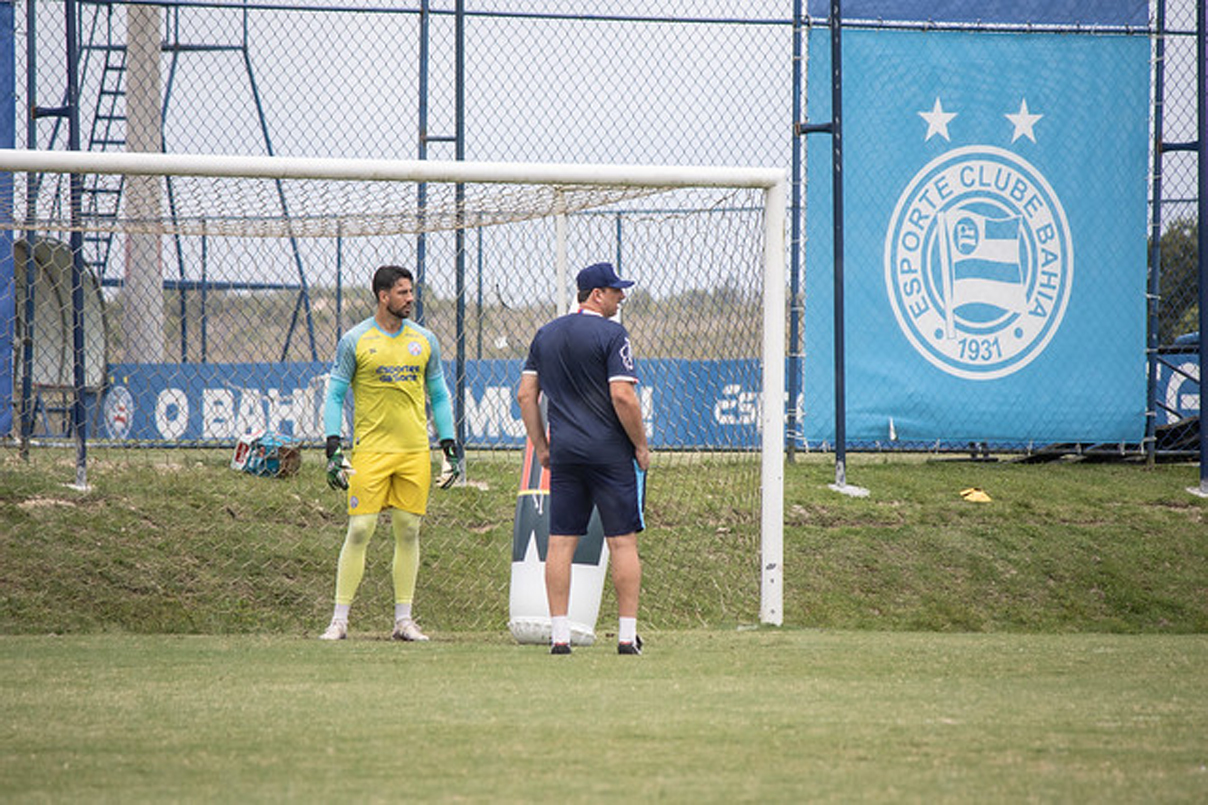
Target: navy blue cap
[(600, 275)]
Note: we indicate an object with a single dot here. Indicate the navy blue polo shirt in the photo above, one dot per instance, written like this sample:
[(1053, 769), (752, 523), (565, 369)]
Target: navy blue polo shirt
[(575, 357)]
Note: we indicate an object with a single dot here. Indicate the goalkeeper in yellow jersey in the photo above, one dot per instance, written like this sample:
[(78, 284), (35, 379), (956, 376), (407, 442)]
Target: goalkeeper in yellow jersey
[(391, 364)]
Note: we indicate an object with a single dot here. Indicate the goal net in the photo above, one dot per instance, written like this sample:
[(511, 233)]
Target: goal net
[(180, 303)]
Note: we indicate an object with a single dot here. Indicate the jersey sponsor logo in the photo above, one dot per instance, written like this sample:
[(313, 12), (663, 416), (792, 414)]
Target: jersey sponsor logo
[(397, 374), (979, 262)]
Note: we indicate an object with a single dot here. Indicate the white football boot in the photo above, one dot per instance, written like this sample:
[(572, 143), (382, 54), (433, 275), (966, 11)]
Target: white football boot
[(338, 630), (405, 629)]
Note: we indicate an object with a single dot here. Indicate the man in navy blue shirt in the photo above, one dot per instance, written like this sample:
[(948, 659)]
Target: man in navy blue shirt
[(596, 452)]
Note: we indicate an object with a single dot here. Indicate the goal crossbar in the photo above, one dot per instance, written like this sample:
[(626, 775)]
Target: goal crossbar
[(387, 170)]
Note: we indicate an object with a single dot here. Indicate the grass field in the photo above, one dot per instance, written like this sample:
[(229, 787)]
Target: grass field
[(703, 716), (1049, 646)]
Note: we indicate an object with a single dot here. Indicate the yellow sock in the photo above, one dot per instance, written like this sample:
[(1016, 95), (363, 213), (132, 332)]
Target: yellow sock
[(405, 569), (351, 566)]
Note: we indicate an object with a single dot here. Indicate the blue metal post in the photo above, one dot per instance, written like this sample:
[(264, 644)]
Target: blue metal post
[(1155, 237), (76, 239), (421, 191), (835, 129), (1202, 207), (478, 261), (26, 410), (339, 281), (619, 243), (459, 413), (183, 301), (205, 282), (836, 23), (178, 245)]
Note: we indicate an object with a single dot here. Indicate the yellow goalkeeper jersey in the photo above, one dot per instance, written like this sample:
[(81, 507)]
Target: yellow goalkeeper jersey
[(389, 375)]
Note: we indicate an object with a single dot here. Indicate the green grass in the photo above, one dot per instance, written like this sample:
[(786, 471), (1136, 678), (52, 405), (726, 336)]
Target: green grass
[(1047, 646), (1069, 546), (174, 541), (704, 716)]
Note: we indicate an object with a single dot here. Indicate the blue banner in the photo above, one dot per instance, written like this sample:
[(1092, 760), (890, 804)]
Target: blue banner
[(995, 193), (217, 403)]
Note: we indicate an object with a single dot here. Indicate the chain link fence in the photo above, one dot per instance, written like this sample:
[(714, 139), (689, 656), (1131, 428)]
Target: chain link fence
[(244, 327), (1175, 287)]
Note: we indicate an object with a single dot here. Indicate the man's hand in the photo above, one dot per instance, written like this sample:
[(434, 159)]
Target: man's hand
[(338, 468), (542, 451), (450, 465), (642, 456)]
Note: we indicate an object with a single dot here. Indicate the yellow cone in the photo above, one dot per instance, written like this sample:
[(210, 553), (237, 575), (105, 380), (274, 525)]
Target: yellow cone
[(975, 494)]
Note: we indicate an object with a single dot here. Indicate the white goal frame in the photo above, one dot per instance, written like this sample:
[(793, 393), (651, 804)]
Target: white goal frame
[(773, 182)]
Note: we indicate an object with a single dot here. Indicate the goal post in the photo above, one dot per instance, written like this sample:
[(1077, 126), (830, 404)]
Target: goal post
[(699, 230)]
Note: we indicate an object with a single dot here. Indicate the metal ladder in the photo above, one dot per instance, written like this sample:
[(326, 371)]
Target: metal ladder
[(108, 132)]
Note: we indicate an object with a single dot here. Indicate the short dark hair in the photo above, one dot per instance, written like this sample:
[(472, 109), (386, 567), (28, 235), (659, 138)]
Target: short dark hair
[(583, 295), (385, 277)]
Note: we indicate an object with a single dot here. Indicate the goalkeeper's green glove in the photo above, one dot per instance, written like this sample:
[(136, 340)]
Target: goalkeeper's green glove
[(338, 467), (450, 465)]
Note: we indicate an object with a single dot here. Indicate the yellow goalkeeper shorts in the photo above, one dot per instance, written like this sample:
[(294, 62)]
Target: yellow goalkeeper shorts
[(389, 481)]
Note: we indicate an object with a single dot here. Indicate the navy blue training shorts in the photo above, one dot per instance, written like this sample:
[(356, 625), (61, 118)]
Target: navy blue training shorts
[(617, 490)]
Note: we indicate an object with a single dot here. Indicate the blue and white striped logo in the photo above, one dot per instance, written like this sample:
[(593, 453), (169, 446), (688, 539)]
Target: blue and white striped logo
[(979, 262)]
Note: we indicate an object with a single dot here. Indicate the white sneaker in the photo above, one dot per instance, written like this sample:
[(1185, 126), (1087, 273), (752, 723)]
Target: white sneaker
[(338, 630), (405, 629)]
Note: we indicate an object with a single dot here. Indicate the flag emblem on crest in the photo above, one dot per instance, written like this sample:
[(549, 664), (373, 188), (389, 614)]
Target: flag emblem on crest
[(979, 262)]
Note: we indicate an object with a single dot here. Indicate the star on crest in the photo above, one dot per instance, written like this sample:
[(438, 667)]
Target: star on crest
[(937, 121), (1023, 121)]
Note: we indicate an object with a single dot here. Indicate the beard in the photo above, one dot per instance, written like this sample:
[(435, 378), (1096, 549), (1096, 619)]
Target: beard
[(402, 311)]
